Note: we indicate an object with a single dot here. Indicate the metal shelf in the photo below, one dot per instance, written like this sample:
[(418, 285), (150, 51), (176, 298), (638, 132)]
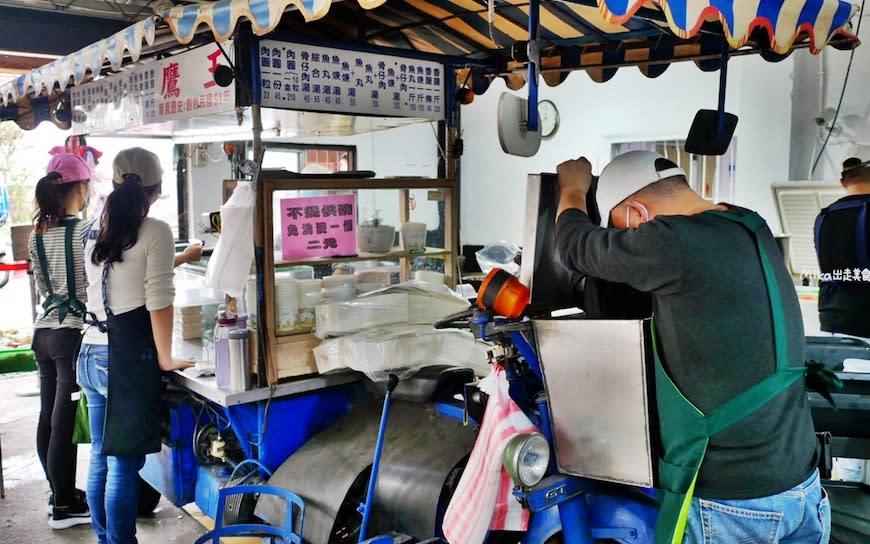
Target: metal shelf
[(394, 254)]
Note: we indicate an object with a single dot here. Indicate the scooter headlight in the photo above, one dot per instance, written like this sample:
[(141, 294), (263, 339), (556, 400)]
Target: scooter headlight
[(526, 458)]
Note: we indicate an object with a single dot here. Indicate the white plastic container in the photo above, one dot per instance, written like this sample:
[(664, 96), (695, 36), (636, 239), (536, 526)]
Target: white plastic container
[(414, 237), (286, 303), (429, 276), (251, 301), (309, 297), (375, 238)]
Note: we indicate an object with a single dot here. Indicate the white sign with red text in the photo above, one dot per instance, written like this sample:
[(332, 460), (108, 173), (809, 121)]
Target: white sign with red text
[(178, 87)]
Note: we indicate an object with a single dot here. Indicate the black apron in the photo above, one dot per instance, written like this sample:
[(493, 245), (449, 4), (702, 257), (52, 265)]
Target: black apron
[(132, 426)]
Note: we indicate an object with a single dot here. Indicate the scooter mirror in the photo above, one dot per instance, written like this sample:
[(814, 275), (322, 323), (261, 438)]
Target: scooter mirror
[(707, 137)]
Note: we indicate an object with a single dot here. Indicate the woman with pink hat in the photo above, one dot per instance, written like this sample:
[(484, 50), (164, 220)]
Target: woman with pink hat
[(57, 253)]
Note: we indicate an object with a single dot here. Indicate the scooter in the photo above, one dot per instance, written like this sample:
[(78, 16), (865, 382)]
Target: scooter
[(581, 510)]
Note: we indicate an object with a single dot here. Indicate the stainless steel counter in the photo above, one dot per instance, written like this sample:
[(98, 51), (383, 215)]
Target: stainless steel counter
[(207, 388)]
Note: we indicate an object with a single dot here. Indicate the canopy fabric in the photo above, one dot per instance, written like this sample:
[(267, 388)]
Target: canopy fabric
[(597, 36)]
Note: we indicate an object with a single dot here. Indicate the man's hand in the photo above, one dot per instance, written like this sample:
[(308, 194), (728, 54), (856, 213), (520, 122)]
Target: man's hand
[(575, 178), (575, 175)]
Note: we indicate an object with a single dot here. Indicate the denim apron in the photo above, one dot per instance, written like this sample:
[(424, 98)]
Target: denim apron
[(686, 431), (132, 426)]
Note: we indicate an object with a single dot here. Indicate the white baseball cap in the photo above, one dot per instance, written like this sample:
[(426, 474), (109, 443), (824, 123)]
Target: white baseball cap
[(141, 162), (627, 174), (860, 152)]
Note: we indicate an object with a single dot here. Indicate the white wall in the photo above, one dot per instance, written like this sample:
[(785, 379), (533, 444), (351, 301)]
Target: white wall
[(206, 191), (762, 99), (628, 107), (818, 85)]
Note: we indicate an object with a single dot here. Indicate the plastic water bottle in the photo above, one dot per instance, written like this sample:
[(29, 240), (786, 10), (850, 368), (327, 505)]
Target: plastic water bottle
[(209, 318)]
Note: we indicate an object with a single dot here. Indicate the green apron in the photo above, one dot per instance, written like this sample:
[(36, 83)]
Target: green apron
[(686, 431), (53, 301)]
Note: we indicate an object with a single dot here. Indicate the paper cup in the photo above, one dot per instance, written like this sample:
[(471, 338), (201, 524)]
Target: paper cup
[(414, 237)]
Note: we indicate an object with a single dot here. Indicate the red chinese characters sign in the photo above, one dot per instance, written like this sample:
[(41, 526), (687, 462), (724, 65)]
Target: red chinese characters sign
[(318, 226), (178, 87)]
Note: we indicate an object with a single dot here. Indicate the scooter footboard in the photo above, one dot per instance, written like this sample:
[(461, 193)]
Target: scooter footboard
[(421, 451)]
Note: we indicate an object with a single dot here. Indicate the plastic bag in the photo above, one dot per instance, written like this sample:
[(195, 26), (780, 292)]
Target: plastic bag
[(402, 350), (412, 302), (483, 499), (230, 263), (82, 425), (499, 255)]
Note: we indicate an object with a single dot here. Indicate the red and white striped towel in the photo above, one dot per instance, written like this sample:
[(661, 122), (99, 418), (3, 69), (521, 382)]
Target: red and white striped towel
[(483, 499)]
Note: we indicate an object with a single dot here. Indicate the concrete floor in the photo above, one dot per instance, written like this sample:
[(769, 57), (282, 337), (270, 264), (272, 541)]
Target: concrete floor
[(23, 518)]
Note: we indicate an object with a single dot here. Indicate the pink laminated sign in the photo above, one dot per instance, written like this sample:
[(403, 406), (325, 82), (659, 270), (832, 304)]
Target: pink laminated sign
[(321, 226)]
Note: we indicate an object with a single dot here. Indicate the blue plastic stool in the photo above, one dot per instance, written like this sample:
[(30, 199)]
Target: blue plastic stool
[(290, 531)]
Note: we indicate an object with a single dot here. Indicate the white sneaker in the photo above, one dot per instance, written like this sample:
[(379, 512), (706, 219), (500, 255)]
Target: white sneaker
[(64, 518)]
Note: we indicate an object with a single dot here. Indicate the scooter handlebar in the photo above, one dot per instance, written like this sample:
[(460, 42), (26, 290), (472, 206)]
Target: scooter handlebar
[(459, 320)]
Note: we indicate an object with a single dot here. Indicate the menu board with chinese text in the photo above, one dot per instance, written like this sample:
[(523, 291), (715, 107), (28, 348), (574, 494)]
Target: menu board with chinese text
[(308, 77), (178, 87), (322, 226)]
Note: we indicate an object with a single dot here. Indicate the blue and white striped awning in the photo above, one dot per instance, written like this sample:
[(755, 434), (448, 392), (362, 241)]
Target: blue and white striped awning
[(592, 35)]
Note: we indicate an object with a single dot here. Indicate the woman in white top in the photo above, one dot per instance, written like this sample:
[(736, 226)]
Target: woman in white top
[(55, 249), (129, 260)]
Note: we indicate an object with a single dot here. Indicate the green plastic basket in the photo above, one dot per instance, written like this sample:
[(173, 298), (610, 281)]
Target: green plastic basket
[(16, 360)]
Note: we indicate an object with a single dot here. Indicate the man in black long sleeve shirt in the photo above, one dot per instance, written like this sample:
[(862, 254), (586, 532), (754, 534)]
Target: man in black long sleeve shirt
[(714, 326)]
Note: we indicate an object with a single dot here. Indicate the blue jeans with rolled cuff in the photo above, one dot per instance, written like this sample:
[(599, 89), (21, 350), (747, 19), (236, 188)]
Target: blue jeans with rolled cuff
[(113, 481)]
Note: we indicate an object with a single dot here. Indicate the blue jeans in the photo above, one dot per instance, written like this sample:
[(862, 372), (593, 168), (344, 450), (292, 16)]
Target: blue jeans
[(800, 515), (113, 482)]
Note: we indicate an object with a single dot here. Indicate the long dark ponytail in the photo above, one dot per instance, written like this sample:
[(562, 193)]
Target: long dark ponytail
[(49, 199), (124, 211)]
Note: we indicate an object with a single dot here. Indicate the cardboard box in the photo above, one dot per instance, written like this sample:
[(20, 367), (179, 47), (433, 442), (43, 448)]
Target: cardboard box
[(20, 239), (294, 357)]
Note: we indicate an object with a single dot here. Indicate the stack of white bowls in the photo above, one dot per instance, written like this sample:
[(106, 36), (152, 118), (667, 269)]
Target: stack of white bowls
[(286, 302), (338, 288)]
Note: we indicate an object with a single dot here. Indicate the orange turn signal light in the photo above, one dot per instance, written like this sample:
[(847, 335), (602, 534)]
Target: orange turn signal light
[(503, 293)]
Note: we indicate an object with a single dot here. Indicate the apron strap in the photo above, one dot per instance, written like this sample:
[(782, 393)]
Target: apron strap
[(105, 289), (752, 221), (43, 268)]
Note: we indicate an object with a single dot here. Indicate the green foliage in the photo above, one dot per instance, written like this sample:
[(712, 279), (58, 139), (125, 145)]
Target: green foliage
[(16, 177)]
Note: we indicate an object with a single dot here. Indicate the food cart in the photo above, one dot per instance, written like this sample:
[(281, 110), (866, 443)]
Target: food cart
[(282, 68)]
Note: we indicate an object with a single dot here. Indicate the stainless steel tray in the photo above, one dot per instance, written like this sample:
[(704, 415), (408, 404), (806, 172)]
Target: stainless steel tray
[(600, 378)]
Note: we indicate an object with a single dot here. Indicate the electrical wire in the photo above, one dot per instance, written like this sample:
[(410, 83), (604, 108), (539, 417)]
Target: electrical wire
[(260, 465), (265, 419), (842, 94)]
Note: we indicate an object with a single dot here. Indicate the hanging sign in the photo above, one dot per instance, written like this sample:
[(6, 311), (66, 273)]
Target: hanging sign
[(178, 87), (318, 226), (307, 77)]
